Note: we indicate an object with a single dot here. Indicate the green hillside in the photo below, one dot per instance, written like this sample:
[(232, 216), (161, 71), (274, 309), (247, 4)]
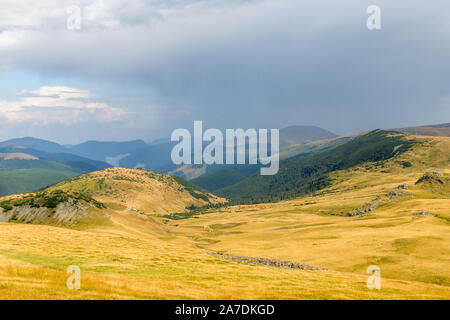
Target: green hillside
[(218, 179), (23, 175), (313, 147), (27, 180), (15, 164), (305, 175)]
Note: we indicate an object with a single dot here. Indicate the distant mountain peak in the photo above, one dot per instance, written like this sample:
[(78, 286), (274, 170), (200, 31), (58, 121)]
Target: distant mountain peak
[(430, 130), (300, 134), (103, 150), (34, 143)]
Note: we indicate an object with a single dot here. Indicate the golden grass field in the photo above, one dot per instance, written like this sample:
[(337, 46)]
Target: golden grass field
[(145, 255)]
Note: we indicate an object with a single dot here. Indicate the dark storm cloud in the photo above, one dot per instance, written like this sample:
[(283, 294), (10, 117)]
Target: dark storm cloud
[(260, 63)]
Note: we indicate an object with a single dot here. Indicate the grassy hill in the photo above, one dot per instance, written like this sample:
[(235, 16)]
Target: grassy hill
[(118, 189), (139, 190), (244, 251), (303, 175), (392, 215)]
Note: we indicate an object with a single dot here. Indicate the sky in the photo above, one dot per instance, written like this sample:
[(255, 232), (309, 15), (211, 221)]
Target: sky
[(138, 69)]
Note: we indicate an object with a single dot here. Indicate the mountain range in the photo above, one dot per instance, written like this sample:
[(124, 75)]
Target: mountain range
[(379, 198), (53, 162), (39, 163)]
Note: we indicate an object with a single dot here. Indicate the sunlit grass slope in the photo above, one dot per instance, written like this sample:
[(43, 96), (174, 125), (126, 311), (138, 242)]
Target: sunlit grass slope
[(144, 253), (122, 265), (406, 232), (140, 190)]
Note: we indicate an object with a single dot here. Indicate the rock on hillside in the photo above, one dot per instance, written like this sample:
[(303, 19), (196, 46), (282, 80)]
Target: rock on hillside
[(432, 177)]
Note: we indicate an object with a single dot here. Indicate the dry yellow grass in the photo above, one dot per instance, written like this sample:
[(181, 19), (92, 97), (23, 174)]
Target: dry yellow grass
[(149, 192), (17, 156), (404, 243), (122, 266), (142, 256)]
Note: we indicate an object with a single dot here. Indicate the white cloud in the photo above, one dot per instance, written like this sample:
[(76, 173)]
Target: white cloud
[(57, 105), (232, 62)]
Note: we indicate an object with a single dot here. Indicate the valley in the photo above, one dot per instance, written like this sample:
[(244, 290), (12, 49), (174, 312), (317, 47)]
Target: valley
[(143, 235)]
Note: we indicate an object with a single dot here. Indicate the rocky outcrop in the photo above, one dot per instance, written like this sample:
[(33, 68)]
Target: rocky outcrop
[(397, 193), (432, 177), (269, 262), (423, 212), (381, 200), (366, 208), (66, 213)]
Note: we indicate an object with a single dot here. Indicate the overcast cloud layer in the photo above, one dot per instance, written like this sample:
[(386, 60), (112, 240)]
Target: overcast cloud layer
[(147, 67)]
